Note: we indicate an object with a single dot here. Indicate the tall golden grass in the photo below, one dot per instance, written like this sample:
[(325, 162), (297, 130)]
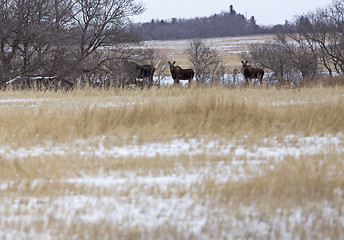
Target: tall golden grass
[(152, 114), (289, 196)]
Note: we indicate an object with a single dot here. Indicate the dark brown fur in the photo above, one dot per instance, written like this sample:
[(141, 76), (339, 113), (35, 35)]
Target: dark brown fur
[(180, 74), (252, 73), (144, 72)]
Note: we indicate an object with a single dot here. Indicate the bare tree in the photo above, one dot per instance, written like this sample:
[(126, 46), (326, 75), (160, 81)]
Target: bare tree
[(315, 44), (205, 61), (62, 37), (304, 30), (6, 54), (270, 55), (100, 23), (303, 59), (287, 58), (28, 28), (323, 31)]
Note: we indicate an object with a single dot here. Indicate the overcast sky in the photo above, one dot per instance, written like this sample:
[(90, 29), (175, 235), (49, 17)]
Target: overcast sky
[(266, 12)]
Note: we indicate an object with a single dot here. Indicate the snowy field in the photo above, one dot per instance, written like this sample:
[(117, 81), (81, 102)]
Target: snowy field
[(225, 45), (151, 200), (229, 48), (105, 187)]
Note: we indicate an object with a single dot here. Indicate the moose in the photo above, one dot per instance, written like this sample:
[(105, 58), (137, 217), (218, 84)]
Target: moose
[(144, 72), (181, 74), (252, 73)]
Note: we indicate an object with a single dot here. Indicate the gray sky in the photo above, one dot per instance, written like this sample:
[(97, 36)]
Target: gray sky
[(266, 12)]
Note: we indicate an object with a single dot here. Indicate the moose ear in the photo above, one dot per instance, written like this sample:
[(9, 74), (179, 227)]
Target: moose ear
[(174, 62), (246, 61), (242, 61)]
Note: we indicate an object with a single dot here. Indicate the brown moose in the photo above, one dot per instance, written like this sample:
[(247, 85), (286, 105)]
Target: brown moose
[(181, 74), (144, 72), (252, 73)]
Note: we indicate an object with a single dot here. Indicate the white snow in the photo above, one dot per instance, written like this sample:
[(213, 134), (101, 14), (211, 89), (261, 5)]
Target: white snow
[(269, 148), (127, 198)]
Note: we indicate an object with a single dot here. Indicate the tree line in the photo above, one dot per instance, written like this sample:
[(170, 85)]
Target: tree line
[(226, 23)]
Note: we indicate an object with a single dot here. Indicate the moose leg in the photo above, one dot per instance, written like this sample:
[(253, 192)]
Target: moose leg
[(247, 81), (150, 82), (261, 78)]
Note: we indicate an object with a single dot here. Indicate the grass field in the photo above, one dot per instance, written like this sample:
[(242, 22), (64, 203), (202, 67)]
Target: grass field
[(173, 163)]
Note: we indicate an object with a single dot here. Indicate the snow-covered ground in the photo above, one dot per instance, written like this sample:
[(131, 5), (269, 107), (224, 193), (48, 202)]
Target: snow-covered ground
[(268, 148), (225, 44), (123, 200), (163, 199)]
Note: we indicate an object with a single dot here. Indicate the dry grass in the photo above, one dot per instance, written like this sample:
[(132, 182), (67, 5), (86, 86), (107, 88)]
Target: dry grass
[(61, 177), (164, 113)]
